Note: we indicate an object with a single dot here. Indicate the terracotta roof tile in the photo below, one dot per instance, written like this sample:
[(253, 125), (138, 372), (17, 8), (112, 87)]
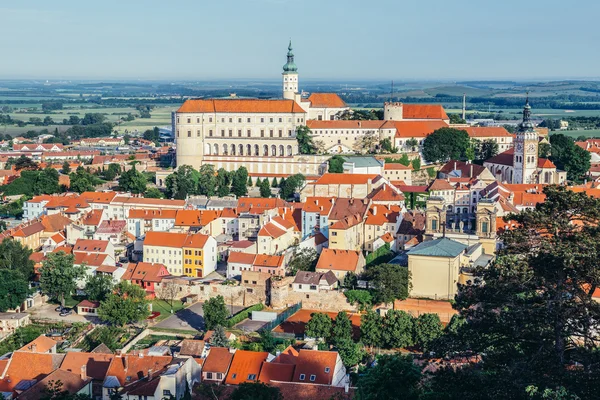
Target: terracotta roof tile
[(240, 106), (130, 368), (87, 245), (338, 260), (268, 261), (245, 367), (423, 111), (241, 258), (28, 366), (218, 360), (276, 372), (418, 129), (71, 383), (271, 230), (326, 100), (322, 205), (137, 213), (146, 272), (96, 363), (315, 362), (41, 344)]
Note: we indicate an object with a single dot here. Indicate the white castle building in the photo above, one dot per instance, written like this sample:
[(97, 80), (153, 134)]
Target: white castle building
[(261, 134)]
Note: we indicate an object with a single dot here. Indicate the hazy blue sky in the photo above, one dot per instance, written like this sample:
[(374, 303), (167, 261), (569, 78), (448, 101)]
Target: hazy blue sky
[(343, 39)]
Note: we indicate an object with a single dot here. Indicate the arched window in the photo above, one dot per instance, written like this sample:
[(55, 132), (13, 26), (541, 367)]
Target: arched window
[(256, 148), (216, 147), (207, 149), (265, 150), (289, 151), (241, 148), (233, 149), (273, 150), (225, 152), (249, 150), (281, 151)]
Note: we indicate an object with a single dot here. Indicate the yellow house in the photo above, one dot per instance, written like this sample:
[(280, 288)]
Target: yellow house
[(434, 268), (199, 255), (347, 233)]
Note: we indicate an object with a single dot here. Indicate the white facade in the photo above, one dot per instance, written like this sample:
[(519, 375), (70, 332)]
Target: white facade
[(171, 257)]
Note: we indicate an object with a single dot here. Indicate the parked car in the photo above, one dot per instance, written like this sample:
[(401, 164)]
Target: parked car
[(66, 311), (59, 309)]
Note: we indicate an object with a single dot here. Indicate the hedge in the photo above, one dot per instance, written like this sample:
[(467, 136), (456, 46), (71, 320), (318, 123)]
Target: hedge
[(242, 315)]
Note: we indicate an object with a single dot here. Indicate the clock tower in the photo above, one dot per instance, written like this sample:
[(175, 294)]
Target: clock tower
[(525, 157)]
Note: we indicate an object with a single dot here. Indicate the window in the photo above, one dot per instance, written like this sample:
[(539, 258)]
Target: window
[(189, 133), (189, 120), (251, 377), (210, 119), (248, 120), (249, 131), (302, 377), (484, 227), (433, 225), (270, 119), (280, 133), (233, 376), (166, 392), (223, 132), (230, 132), (271, 133), (239, 133), (249, 290), (198, 133), (209, 375), (210, 133), (230, 120), (262, 133), (239, 120), (313, 287), (280, 119), (262, 120), (197, 120), (327, 370), (312, 378)]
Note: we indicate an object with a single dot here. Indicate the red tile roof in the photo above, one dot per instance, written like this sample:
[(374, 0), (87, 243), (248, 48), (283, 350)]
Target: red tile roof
[(92, 218), (41, 344), (276, 372), (258, 205), (268, 261), (146, 272), (326, 100), (440, 184), (417, 129), (423, 111), (71, 383), (338, 260), (137, 213), (310, 391), (218, 360), (240, 106), (315, 362), (28, 366), (347, 179), (487, 131), (322, 205), (90, 259), (244, 365), (271, 230), (96, 363), (135, 366), (87, 245), (241, 258)]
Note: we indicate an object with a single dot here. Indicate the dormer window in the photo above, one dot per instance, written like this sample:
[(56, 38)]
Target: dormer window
[(252, 377), (302, 377), (327, 370), (312, 378)]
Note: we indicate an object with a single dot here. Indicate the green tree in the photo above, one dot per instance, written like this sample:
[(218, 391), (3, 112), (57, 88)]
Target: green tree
[(391, 281), (386, 145), (341, 331), (215, 312), (66, 168), (304, 259), (350, 280), (305, 141), (133, 181), (394, 377), (351, 353), (291, 185), (569, 157), (249, 183), (456, 119), (99, 286), (531, 316), (398, 329), (445, 144), (319, 326), (256, 391), (416, 164), (24, 162), (14, 289), (46, 182), (363, 298), (265, 188), (112, 171), (223, 182), (371, 326), (14, 256), (152, 135), (428, 328), (125, 305), (487, 149), (207, 180), (58, 275), (267, 340), (81, 181), (239, 182), (412, 143), (336, 164), (274, 182), (153, 193), (258, 182), (183, 182), (219, 338), (544, 150)]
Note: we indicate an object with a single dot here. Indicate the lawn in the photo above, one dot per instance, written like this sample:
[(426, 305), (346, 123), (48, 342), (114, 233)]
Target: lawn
[(165, 309)]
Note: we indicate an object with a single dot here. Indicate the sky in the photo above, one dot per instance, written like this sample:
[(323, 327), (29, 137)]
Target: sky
[(332, 39)]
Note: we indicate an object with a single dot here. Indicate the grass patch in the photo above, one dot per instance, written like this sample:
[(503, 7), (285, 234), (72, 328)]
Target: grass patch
[(177, 331), (164, 308), (113, 337)]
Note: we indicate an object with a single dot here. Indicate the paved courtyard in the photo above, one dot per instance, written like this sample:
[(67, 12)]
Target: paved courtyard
[(189, 318), (48, 311)]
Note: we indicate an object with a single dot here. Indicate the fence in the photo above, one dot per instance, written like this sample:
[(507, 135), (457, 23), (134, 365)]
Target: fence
[(283, 316)]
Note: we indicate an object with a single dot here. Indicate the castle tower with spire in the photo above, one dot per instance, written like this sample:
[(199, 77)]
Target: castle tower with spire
[(525, 157), (290, 76)]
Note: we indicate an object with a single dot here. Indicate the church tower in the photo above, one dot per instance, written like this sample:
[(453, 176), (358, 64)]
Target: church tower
[(525, 157), (290, 76)]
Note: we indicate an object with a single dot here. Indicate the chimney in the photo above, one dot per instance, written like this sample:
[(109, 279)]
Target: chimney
[(83, 372), (375, 210), (317, 202), (149, 374), (34, 348), (454, 165), (471, 174), (124, 358)]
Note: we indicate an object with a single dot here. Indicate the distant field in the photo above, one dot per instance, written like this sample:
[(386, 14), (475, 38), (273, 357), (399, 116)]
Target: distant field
[(16, 131), (587, 133), (160, 116)]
